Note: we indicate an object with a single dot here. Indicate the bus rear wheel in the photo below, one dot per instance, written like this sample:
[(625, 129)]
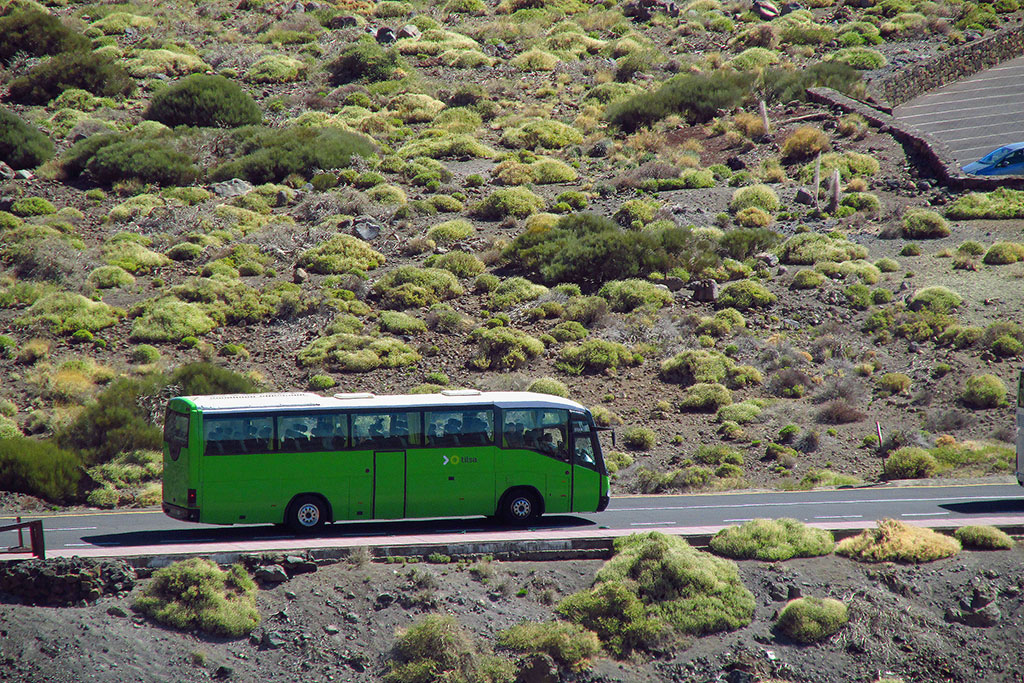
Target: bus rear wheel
[(519, 507), (306, 514)]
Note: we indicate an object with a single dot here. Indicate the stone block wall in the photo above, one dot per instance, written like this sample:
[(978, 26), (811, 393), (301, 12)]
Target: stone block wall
[(64, 581), (951, 65)]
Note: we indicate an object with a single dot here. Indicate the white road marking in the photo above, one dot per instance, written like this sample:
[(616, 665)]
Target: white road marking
[(922, 514), (651, 523), (840, 517), (811, 502), (73, 528), (744, 519)]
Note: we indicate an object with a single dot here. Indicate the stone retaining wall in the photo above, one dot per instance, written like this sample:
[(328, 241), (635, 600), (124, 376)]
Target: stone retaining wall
[(922, 148), (951, 65), (65, 580)]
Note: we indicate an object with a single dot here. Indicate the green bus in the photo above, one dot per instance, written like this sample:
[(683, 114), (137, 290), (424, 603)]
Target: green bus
[(302, 459)]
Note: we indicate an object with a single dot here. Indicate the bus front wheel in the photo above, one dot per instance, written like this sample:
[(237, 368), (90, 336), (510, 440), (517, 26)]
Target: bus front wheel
[(519, 507), (307, 514)]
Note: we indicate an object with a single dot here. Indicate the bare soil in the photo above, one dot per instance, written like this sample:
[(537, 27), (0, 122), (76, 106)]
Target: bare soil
[(339, 624)]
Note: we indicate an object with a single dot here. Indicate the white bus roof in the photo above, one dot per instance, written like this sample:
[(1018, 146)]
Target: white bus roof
[(308, 400)]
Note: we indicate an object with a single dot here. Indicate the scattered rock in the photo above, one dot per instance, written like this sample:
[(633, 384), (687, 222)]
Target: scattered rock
[(274, 573), (272, 640), (538, 668), (383, 600), (804, 196), (6, 172), (298, 565), (346, 21), (367, 228), (223, 672), (117, 611), (231, 188), (674, 284), (24, 174), (385, 35), (409, 31), (705, 290)]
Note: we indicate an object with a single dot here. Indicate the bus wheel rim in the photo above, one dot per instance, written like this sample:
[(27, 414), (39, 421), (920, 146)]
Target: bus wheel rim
[(308, 515), (521, 507)]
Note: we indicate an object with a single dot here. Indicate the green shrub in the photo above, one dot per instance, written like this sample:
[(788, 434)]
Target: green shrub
[(127, 251), (808, 620), (339, 255), (894, 541), (772, 540), (21, 145), (365, 60), (656, 587), (459, 263), (595, 355), (998, 204), (706, 366), (36, 33), (195, 594), (344, 352), (919, 224), (570, 645), (807, 279), (549, 385), (38, 468), (1003, 253), (983, 538), (910, 463), (569, 330), (170, 319), (66, 312), (805, 142), (196, 379), (32, 206), (147, 161), (639, 438), (1007, 346), (436, 648), (705, 398), (697, 97), (91, 71), (144, 354), (894, 383), (861, 58), (745, 295), (937, 299), (277, 69), (544, 133), (267, 155), (589, 249), (513, 291), (501, 348), (396, 322), (451, 231), (518, 202), (628, 295), (760, 196), (204, 100), (810, 248), (984, 391), (411, 286)]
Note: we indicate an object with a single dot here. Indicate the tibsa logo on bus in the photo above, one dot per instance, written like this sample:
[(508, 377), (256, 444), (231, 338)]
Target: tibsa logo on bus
[(458, 460)]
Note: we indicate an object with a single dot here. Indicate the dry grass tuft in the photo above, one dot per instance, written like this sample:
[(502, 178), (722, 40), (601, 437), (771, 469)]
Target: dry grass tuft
[(894, 541)]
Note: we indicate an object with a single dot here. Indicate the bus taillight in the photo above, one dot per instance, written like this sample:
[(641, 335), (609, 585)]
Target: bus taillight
[(191, 498)]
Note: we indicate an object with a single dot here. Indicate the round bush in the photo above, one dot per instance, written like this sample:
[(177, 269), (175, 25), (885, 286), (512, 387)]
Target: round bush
[(1003, 253), (90, 71), (744, 295), (911, 463), (983, 538), (36, 33), (983, 391), (804, 143), (808, 620), (924, 224), (761, 196), (204, 100), (1007, 346), (549, 385), (22, 145), (148, 161)]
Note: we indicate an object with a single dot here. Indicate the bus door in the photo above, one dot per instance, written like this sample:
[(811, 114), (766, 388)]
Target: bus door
[(453, 474), (586, 479), (388, 484)]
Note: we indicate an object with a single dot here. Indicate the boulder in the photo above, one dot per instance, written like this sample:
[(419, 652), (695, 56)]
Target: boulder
[(385, 35), (410, 31), (273, 573)]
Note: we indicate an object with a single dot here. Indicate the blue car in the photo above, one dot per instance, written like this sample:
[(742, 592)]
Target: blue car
[(1007, 160)]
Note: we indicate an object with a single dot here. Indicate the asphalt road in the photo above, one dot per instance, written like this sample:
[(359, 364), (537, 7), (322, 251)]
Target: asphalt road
[(973, 116), (149, 531)]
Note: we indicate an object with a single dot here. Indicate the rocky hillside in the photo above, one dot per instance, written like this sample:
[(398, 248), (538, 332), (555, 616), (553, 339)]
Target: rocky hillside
[(404, 196)]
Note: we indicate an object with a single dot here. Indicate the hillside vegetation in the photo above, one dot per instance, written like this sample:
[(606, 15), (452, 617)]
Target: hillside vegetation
[(260, 196)]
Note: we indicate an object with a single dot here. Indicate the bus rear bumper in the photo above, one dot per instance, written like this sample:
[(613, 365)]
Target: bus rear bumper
[(184, 514), (602, 503)]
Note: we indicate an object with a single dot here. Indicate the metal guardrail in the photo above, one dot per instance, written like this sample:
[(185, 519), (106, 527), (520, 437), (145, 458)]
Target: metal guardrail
[(37, 545)]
